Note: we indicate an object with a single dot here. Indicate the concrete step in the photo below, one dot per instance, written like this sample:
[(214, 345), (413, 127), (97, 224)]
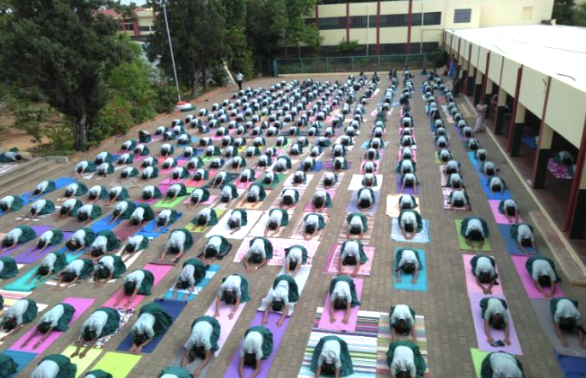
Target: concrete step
[(565, 256), (27, 174)]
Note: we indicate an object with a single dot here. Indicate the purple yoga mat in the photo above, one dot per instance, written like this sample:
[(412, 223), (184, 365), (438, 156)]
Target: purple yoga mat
[(278, 333), (413, 191), (25, 257)]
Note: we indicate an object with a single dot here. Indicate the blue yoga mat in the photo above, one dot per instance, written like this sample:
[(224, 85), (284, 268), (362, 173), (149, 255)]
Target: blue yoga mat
[(510, 243), (21, 358), (572, 367), (530, 141), (59, 183), (173, 308), (473, 160), (210, 273), (316, 168), (152, 235), (102, 224), (150, 227), (496, 196), (405, 283), (20, 284)]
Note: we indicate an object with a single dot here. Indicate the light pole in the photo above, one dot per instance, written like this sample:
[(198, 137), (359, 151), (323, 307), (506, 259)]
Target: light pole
[(164, 4)]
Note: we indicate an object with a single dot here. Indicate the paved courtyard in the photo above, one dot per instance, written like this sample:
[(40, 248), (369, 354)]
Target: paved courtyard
[(445, 305)]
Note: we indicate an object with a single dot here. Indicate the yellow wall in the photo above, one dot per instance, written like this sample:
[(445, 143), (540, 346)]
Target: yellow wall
[(494, 71), (565, 111), (533, 88), (508, 12)]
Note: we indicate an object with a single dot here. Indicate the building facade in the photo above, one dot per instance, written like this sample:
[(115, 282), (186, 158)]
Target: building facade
[(138, 27), (415, 26)]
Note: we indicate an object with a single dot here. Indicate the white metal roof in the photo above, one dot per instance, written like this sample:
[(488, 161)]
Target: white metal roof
[(558, 51)]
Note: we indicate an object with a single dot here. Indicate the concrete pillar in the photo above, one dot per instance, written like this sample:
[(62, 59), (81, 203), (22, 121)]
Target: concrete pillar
[(500, 111), (542, 157), (578, 223), (517, 131), (487, 97), (471, 81), (478, 87)]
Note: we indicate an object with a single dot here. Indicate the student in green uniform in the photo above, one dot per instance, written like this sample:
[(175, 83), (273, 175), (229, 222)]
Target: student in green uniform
[(495, 314), (104, 321), (17, 236), (11, 203), (295, 256), (52, 263), (283, 293), (567, 318), (410, 223), (138, 282), (352, 253), (202, 342), (260, 251), (277, 218), (402, 321), (153, 321), (232, 291), (474, 230), (56, 319), (216, 247), (409, 262), (193, 272), (122, 210), (76, 270), (237, 219), (405, 360), (105, 241), (8, 267), (357, 225), (501, 365), (166, 218), (543, 273), (332, 358), (40, 207), (484, 270), (108, 267), (55, 366), (257, 346), (23, 311), (342, 297), (198, 196), (313, 223), (179, 241)]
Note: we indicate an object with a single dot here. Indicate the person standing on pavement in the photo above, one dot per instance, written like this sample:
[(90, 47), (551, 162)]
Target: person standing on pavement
[(481, 110), (239, 78)]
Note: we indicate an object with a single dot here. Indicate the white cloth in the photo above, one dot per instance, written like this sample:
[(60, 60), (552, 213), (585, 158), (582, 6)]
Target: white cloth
[(408, 256), (342, 290), (95, 322), (484, 265), (17, 310), (543, 268), (46, 369), (136, 276), (402, 312), (330, 354), (495, 307), (252, 344), (144, 325), (566, 309), (53, 315), (403, 360), (201, 334), (231, 283), (504, 366)]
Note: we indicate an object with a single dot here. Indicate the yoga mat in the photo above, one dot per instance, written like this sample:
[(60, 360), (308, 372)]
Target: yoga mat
[(80, 304), (169, 181), (320, 185), (244, 204), (366, 238), (393, 209), (559, 170), (198, 184), (117, 364), (182, 294), (472, 158), (279, 246), (191, 366), (63, 181), (478, 357), (363, 351), (242, 185), (527, 281), (171, 307), (330, 165), (353, 204), (530, 141), (384, 338), (421, 237), (376, 162), (20, 283), (150, 227), (226, 324), (300, 279), (194, 228), (331, 265), (278, 333), (125, 230), (510, 243), (230, 205), (22, 359), (210, 200), (289, 182), (462, 240), (159, 271), (317, 166), (443, 176), (406, 279), (276, 203), (541, 307), (356, 183), (310, 209), (338, 326), (471, 285), (259, 228), (572, 367), (166, 204), (25, 257), (102, 224), (437, 159), (413, 191), (222, 227), (82, 363), (274, 185), (293, 162), (514, 348), (495, 196), (446, 199), (500, 218), (298, 229), (413, 153)]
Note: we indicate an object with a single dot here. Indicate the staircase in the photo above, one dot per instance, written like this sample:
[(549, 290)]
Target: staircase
[(33, 171)]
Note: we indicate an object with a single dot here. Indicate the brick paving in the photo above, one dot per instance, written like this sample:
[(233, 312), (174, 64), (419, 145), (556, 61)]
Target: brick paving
[(446, 307)]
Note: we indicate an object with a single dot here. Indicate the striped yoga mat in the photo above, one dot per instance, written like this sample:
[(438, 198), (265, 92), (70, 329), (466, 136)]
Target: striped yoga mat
[(367, 324), (384, 339)]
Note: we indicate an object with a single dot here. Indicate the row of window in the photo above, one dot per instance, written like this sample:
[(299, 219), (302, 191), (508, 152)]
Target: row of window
[(390, 20), (384, 49)]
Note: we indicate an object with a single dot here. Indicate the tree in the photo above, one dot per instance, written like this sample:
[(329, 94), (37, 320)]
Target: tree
[(562, 11), (66, 48), (131, 81), (197, 35), (579, 15), (265, 22)]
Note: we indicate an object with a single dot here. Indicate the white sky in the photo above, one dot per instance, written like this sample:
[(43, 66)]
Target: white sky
[(137, 2)]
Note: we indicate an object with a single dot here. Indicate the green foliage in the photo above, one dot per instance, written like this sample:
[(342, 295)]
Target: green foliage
[(562, 11), (29, 119), (579, 15), (61, 141), (219, 75), (238, 53), (66, 49), (131, 81), (166, 98), (348, 47), (438, 58), (114, 119)]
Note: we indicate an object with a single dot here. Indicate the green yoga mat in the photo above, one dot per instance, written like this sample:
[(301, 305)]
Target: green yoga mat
[(463, 245), (437, 159), (273, 185), (477, 358), (170, 204), (21, 285), (117, 364), (82, 363)]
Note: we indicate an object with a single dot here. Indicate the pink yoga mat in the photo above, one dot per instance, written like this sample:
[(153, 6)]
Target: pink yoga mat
[(324, 322), (500, 218), (514, 348), (471, 280), (331, 265), (279, 246), (159, 271), (309, 208), (171, 181), (242, 185), (80, 305), (528, 284), (226, 324), (210, 200), (198, 184), (124, 230), (265, 367)]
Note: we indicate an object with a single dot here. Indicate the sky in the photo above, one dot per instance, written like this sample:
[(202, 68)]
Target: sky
[(138, 2)]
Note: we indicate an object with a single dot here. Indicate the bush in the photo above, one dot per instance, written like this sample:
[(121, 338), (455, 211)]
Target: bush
[(60, 140), (166, 98), (219, 76), (114, 119)]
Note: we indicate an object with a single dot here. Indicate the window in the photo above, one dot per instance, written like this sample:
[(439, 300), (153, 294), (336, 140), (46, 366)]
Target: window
[(462, 16), (145, 28), (310, 21), (358, 22), (432, 18), (331, 23), (393, 20)]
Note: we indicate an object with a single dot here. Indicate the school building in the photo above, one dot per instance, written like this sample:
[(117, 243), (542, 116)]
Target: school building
[(533, 78), (414, 26)]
